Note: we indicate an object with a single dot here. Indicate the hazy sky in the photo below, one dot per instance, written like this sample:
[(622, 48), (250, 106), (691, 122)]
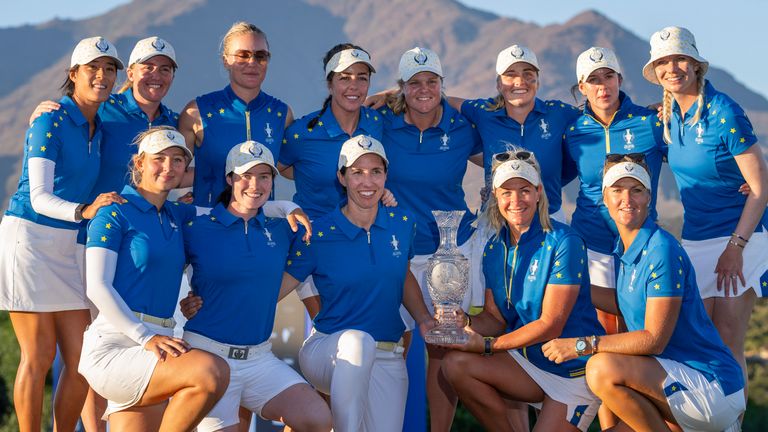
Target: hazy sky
[(730, 34)]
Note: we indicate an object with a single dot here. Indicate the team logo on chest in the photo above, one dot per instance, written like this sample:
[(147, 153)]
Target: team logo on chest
[(268, 134), (444, 142), (532, 270), (395, 246), (544, 126), (629, 139), (268, 235), (699, 133)]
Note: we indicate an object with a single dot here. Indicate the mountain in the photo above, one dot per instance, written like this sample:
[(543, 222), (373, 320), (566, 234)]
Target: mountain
[(300, 32)]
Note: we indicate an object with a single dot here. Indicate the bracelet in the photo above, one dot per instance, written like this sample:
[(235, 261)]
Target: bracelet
[(731, 242), (594, 341), (739, 237), (469, 320), (488, 350)]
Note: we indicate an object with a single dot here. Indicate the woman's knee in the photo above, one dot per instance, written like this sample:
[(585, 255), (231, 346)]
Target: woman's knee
[(456, 364), (37, 359), (212, 373), (356, 347), (603, 370)]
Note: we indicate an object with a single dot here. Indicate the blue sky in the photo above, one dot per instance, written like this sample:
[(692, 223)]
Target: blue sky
[(735, 41)]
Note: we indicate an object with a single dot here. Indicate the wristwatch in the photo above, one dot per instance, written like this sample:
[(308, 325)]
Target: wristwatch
[(79, 212), (488, 349), (581, 346)]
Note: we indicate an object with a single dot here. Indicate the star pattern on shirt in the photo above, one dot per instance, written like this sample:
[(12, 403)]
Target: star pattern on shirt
[(108, 226), (765, 283), (741, 140), (391, 214), (650, 266), (333, 227), (709, 105), (572, 128), (189, 223), (221, 110), (722, 120), (309, 129), (405, 218), (654, 275), (656, 286), (42, 148), (279, 114), (113, 214), (645, 253), (490, 247), (733, 130), (295, 136), (578, 275), (103, 239), (298, 253), (320, 234), (451, 120), (112, 101), (285, 141), (643, 118), (289, 262), (320, 123), (559, 275), (213, 218), (557, 263), (678, 285), (55, 124), (549, 247), (48, 135), (209, 115), (586, 122), (630, 115)]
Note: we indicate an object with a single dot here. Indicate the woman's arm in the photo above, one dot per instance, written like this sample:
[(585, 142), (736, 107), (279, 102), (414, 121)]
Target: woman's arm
[(414, 302)]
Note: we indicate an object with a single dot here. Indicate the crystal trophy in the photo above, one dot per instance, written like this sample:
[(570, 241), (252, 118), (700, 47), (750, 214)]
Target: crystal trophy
[(447, 279)]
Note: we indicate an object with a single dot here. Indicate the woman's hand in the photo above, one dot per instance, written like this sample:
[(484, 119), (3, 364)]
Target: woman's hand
[(475, 344), (161, 346), (379, 99), (744, 189), (729, 270), (560, 350), (103, 200), (44, 107), (388, 199), (297, 217), (190, 304)]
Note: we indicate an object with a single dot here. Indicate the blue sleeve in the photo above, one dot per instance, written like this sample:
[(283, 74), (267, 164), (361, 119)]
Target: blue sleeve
[(477, 142), (489, 272), (666, 277), (657, 129), (411, 252), (471, 109), (42, 138), (301, 260), (736, 130), (568, 261), (290, 148), (106, 229), (569, 170)]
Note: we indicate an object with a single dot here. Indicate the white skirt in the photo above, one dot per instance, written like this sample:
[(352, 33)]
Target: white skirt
[(41, 268), (705, 253)]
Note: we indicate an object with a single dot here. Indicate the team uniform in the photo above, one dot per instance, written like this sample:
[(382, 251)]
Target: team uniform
[(138, 259), (633, 129), (425, 174), (238, 269), (355, 350), (41, 264), (227, 121), (704, 384), (314, 154), (517, 276), (541, 133), (702, 159)]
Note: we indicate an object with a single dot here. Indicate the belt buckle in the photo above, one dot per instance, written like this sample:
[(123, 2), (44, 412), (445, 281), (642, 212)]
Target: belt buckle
[(387, 346), (167, 323), (238, 353)]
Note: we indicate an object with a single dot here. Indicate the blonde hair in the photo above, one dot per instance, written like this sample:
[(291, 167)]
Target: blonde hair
[(396, 102), (666, 103), (133, 165), (496, 104), (492, 213), (237, 29), (128, 83)]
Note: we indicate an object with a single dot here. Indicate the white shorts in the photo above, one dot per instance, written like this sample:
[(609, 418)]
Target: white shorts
[(41, 268), (115, 366), (574, 393), (705, 253), (253, 381), (698, 404), (602, 269)]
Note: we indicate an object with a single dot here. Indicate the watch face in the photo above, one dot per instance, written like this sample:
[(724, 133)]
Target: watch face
[(581, 345)]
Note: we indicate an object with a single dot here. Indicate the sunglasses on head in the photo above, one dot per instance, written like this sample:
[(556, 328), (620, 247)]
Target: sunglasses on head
[(619, 157), (522, 155)]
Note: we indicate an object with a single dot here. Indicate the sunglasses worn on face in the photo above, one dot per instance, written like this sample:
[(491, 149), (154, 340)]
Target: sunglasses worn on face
[(519, 155), (244, 56), (631, 157)]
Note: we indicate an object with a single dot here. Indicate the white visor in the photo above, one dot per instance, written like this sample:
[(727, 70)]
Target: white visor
[(627, 169), (162, 139), (346, 58), (515, 169)]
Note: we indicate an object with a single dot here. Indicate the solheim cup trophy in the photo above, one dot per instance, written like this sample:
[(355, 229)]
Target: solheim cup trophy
[(447, 280)]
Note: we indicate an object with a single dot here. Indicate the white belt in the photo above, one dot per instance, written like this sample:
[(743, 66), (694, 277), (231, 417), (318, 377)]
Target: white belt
[(235, 352), (162, 322)]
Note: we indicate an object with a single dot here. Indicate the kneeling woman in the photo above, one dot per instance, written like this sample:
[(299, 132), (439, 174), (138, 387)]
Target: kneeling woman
[(671, 367), (538, 289), (359, 260), (238, 256), (134, 264)]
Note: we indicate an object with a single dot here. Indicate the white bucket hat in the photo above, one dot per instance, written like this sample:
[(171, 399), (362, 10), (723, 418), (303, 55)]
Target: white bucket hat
[(358, 146), (671, 41), (515, 54), (89, 49), (244, 156), (346, 58), (147, 48), (626, 169), (593, 59), (162, 139), (515, 168), (418, 60)]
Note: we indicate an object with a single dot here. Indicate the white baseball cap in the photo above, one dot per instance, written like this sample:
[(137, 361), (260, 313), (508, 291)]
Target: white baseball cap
[(515, 54), (626, 169), (244, 156), (346, 58), (671, 41), (515, 168), (418, 60), (162, 139), (593, 59), (89, 49), (147, 48), (360, 145)]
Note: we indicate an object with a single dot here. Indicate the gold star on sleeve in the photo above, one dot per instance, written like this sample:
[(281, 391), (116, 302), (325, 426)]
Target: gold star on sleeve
[(630, 115), (285, 141), (391, 214), (114, 214), (55, 124), (298, 253), (221, 110), (653, 275), (643, 118), (765, 283), (650, 266), (209, 115), (658, 124), (279, 114), (289, 262), (190, 223), (320, 123), (269, 110), (112, 101), (572, 128), (557, 263), (295, 136), (48, 135), (678, 285), (657, 286), (405, 218), (741, 140), (309, 129), (733, 130), (108, 226), (376, 118), (578, 275), (320, 234), (103, 239), (43, 148), (333, 227), (559, 275), (722, 120)]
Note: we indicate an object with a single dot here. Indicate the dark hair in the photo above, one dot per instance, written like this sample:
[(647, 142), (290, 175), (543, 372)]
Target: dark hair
[(343, 172), (627, 158), (328, 56), (226, 195), (68, 87)]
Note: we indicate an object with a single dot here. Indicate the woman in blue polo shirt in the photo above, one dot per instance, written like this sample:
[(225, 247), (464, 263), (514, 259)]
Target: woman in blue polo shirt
[(41, 264), (538, 288), (610, 124), (135, 260), (671, 366), (242, 111), (358, 258), (238, 256), (712, 151), (428, 144)]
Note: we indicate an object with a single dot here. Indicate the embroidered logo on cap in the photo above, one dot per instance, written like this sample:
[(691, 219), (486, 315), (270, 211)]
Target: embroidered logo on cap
[(628, 140), (515, 165), (629, 167), (517, 52), (596, 56), (356, 53), (102, 45), (420, 58), (664, 35), (158, 44), (170, 135), (255, 150), (364, 142)]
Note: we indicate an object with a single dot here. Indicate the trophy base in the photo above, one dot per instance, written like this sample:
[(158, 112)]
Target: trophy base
[(446, 336)]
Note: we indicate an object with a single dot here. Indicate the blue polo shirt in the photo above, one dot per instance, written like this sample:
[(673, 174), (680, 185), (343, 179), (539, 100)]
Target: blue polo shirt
[(655, 265), (61, 136), (541, 133), (359, 275), (518, 276), (314, 155), (122, 120), (702, 159), (150, 250), (238, 268), (633, 129), (427, 169), (227, 121)]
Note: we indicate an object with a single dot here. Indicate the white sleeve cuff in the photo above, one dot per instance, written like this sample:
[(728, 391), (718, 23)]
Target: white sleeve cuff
[(279, 209)]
